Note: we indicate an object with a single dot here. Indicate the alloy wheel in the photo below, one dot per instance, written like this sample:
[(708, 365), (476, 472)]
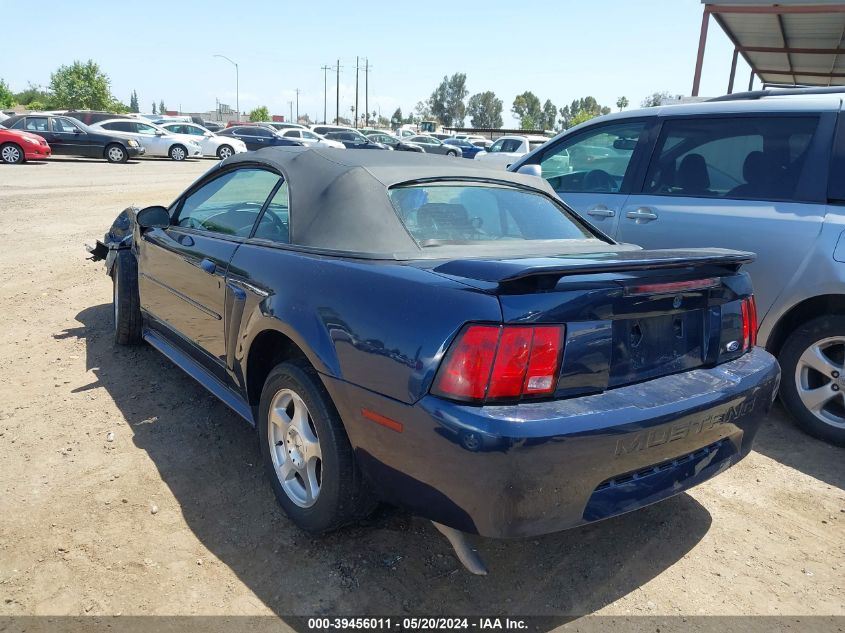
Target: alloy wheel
[(295, 448), (177, 153), (11, 154), (820, 380), (224, 152), (115, 154)]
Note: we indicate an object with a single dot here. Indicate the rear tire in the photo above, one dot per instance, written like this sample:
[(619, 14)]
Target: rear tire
[(11, 153), (224, 151), (126, 304), (115, 153), (452, 154), (178, 152), (813, 385), (306, 452)]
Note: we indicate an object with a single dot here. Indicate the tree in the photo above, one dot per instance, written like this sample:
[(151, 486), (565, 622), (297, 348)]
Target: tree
[(33, 94), (526, 108), (655, 99), (261, 113), (396, 119), (161, 108), (154, 108), (7, 99), (447, 100), (485, 110), (133, 102), (622, 103), (581, 110), (549, 116), (81, 87), (422, 111)]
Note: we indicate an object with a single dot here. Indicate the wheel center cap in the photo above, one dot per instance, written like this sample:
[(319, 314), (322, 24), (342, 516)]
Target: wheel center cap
[(294, 445)]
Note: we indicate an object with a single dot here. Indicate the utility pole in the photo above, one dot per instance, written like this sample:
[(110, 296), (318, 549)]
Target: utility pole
[(356, 92), (290, 103), (367, 88), (297, 106), (325, 85), (337, 96)]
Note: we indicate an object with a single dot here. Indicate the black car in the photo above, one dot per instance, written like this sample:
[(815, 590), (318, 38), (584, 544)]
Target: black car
[(256, 136), (70, 137), (443, 336), (211, 126), (355, 140), (90, 117), (391, 141)]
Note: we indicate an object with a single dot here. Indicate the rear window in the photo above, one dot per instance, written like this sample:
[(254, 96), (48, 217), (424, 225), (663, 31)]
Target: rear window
[(469, 213)]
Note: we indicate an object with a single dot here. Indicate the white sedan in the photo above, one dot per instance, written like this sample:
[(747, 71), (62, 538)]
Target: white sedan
[(507, 149), (211, 143), (309, 138), (155, 140)]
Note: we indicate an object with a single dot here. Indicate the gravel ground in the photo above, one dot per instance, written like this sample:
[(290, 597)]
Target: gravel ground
[(127, 489)]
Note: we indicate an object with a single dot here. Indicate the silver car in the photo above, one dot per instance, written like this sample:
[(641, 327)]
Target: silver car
[(759, 172)]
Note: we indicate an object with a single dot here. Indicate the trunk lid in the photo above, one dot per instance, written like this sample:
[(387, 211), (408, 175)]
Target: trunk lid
[(630, 316)]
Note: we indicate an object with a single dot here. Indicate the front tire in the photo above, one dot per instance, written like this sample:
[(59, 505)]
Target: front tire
[(126, 303), (452, 154), (178, 152), (11, 153), (224, 151), (306, 452), (813, 388), (115, 153)]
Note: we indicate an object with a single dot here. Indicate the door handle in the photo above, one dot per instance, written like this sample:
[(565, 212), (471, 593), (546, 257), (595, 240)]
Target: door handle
[(208, 266), (642, 215), (601, 211)]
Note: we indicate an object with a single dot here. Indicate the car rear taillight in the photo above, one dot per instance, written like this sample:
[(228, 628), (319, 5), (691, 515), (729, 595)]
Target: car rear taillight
[(489, 362), (749, 323)]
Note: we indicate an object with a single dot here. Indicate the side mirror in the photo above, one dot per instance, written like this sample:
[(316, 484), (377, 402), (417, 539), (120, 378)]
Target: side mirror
[(159, 133), (531, 170), (76, 130), (153, 217)]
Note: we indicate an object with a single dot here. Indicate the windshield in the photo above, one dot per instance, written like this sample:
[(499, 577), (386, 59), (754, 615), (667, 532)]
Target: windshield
[(436, 214)]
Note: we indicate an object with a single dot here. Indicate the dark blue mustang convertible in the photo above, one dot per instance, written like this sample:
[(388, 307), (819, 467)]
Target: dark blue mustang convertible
[(444, 337)]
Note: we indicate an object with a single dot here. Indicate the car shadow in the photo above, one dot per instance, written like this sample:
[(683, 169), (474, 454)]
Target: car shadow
[(99, 161), (392, 563), (780, 439)]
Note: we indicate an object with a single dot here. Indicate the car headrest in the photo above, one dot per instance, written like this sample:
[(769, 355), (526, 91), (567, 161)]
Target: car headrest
[(692, 174), (754, 167)]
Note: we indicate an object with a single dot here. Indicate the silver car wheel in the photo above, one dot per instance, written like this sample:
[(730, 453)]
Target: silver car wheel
[(11, 154), (115, 154), (295, 448), (177, 153), (224, 152), (820, 380)]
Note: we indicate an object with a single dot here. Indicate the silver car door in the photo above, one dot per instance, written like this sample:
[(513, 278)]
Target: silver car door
[(740, 182)]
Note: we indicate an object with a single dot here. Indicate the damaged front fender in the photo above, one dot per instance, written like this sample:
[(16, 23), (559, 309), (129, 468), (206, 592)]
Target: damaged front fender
[(118, 237)]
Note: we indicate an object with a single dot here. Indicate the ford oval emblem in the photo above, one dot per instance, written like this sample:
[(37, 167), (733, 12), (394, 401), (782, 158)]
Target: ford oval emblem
[(676, 302), (732, 346)]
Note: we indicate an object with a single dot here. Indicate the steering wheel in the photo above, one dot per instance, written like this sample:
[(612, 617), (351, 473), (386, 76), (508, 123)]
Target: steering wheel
[(598, 180)]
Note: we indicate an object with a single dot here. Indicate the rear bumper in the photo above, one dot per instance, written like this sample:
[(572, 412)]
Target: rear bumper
[(535, 468)]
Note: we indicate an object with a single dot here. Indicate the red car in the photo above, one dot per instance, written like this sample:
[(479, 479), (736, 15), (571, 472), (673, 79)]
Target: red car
[(16, 147)]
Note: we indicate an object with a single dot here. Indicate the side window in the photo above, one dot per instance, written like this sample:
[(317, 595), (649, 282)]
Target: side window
[(593, 161), (143, 128), (36, 123), (511, 145), (260, 131), (228, 204), (306, 134), (275, 223), (496, 147), (747, 157), (63, 125), (17, 125)]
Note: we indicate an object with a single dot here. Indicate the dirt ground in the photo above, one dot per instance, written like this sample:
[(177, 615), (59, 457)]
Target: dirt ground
[(127, 489)]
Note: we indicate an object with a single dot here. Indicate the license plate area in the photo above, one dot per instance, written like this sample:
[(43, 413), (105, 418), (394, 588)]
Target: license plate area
[(648, 347)]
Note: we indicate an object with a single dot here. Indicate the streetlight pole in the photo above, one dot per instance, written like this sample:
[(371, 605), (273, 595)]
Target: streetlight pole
[(237, 84)]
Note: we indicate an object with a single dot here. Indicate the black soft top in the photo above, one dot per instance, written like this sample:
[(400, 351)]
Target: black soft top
[(339, 199)]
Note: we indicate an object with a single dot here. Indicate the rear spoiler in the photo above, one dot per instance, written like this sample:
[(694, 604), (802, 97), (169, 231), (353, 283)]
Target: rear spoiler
[(511, 270)]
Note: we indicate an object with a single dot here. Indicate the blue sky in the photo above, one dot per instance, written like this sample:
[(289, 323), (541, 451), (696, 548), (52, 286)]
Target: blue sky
[(560, 50)]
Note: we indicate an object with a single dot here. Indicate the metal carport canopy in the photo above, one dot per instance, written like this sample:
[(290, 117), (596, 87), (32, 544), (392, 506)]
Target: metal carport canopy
[(789, 42)]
